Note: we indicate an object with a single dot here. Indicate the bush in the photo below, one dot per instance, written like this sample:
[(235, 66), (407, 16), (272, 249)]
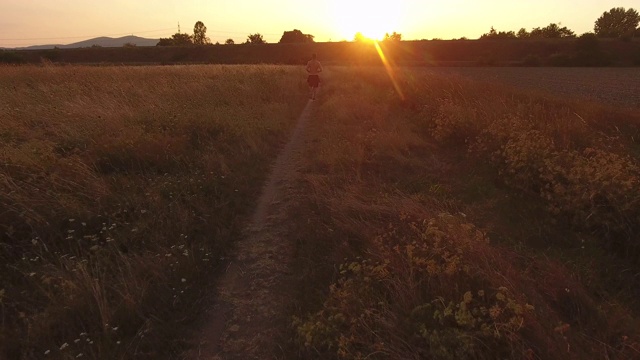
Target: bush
[(593, 187), (559, 59), (400, 304), (10, 57), (532, 60)]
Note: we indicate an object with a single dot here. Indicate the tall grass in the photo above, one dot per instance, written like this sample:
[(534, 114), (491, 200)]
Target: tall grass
[(426, 217), (120, 190)]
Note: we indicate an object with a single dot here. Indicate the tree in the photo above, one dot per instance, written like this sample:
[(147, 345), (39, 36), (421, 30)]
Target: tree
[(493, 34), (177, 39), (229, 42), (255, 39), (393, 37), (359, 37), (200, 34), (296, 36), (552, 31), (523, 34), (617, 22)]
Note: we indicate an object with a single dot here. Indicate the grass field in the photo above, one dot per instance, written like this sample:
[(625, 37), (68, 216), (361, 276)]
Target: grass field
[(463, 220), (467, 221), (121, 188)]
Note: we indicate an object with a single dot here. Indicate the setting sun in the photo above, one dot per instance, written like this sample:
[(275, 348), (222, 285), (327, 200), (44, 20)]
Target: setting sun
[(372, 20)]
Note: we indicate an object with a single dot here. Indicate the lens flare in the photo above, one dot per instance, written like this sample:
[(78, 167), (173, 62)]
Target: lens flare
[(390, 70)]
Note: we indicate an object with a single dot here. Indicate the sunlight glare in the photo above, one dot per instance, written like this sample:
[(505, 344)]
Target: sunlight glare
[(371, 19), (390, 70)]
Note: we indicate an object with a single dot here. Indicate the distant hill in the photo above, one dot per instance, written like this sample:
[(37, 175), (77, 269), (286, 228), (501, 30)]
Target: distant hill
[(100, 41)]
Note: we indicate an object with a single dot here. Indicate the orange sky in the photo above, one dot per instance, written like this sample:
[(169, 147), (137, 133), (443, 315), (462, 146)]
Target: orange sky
[(30, 22)]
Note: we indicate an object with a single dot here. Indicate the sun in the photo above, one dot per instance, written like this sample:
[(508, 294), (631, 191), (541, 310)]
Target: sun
[(371, 19)]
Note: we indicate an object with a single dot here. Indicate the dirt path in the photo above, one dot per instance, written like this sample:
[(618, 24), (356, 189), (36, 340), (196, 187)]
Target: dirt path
[(249, 314)]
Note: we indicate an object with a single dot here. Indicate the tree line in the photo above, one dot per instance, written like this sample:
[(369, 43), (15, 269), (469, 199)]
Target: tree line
[(199, 37), (615, 23)]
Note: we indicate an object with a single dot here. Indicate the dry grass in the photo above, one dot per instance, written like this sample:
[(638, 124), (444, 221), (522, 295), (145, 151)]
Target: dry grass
[(120, 189), (428, 245)]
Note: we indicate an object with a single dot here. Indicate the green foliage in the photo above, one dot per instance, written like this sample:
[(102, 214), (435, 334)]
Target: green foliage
[(296, 36), (617, 22)]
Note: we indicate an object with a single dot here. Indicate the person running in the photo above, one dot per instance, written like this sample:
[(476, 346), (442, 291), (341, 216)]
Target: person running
[(313, 68)]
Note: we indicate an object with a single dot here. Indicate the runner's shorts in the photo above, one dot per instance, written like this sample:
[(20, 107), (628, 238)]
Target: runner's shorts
[(313, 80)]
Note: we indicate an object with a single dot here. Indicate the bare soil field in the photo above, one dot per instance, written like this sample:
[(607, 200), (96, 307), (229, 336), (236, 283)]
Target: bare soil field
[(620, 86)]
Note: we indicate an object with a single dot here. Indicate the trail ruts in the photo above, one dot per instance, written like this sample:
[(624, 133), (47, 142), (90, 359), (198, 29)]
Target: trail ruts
[(249, 315)]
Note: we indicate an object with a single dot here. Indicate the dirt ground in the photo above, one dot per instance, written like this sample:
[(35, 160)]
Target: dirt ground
[(252, 298), (619, 86)]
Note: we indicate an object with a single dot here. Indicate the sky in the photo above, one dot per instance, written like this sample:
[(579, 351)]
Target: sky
[(38, 22)]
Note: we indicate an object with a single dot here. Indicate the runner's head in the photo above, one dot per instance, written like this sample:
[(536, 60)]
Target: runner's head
[(313, 56)]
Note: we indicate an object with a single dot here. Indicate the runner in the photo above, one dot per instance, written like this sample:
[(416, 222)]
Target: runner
[(313, 68)]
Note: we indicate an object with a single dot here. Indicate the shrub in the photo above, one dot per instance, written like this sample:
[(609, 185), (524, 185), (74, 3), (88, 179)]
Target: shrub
[(400, 304), (559, 59), (592, 187), (10, 57), (532, 60)]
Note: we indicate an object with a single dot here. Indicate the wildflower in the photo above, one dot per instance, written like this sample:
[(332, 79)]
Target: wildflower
[(32, 274), (143, 211), (118, 342), (72, 220), (80, 355), (34, 241), (76, 341), (184, 280), (64, 346), (47, 352), (115, 328)]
